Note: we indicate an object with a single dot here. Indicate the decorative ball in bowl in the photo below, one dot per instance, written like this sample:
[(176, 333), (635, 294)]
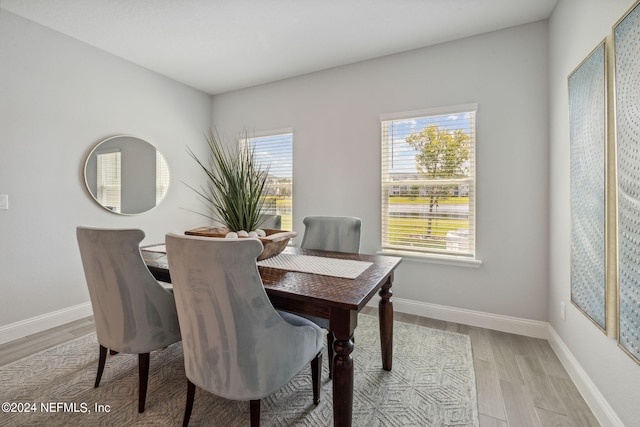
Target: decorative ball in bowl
[(274, 241)]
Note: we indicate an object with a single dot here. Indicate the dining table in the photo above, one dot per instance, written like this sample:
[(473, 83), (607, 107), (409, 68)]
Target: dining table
[(331, 285)]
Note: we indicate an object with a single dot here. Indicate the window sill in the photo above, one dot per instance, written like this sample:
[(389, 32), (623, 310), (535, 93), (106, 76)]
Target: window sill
[(434, 259)]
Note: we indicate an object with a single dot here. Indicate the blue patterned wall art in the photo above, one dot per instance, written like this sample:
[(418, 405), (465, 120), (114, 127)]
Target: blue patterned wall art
[(588, 136), (626, 37)]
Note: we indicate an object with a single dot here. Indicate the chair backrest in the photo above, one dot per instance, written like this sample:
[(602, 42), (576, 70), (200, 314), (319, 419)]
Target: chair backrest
[(332, 233), (236, 345), (273, 222), (133, 313)]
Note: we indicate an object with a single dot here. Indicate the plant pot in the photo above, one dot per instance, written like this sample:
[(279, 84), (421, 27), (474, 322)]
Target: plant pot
[(274, 242)]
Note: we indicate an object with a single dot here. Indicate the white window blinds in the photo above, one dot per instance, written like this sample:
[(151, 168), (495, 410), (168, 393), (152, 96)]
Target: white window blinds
[(109, 180), (162, 177), (275, 151), (428, 182)]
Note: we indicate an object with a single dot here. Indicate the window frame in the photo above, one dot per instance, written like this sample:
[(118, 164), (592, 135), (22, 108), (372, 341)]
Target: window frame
[(105, 191), (163, 177), (464, 258), (286, 217)]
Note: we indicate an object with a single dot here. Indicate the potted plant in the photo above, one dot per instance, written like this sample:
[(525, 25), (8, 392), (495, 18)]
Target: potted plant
[(234, 190)]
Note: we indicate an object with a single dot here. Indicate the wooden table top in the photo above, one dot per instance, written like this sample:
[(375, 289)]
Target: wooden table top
[(318, 293)]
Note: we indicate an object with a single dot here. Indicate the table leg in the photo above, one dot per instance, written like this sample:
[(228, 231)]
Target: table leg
[(385, 318), (343, 367)]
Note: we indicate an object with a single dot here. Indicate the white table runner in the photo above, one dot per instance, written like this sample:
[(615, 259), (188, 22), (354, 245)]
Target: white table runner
[(344, 268), (155, 248)]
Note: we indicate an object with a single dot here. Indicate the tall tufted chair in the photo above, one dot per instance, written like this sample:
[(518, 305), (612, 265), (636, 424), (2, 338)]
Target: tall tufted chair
[(333, 234), (236, 344), (133, 312)]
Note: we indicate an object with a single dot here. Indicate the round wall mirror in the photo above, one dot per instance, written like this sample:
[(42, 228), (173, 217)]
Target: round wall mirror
[(126, 175)]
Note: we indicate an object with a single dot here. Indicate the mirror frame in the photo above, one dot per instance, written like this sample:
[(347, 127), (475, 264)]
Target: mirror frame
[(97, 147)]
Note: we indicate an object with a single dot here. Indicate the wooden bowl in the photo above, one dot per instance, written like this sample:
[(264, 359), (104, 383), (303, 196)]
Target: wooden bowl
[(274, 242)]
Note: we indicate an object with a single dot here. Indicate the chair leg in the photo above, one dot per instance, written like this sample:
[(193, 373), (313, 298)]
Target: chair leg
[(101, 362), (330, 353), (254, 409), (316, 377), (143, 367), (113, 352), (191, 392)]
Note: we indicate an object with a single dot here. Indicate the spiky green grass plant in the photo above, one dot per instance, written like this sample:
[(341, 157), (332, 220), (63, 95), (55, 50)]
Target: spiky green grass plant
[(235, 184)]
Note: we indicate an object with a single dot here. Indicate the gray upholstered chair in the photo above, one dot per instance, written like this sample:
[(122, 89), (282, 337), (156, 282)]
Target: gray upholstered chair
[(334, 234), (272, 222), (133, 313), (236, 344)]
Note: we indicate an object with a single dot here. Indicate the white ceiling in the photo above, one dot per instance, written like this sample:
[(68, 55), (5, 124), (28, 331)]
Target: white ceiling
[(222, 45)]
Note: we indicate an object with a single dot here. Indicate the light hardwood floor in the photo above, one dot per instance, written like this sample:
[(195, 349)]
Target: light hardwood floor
[(519, 380)]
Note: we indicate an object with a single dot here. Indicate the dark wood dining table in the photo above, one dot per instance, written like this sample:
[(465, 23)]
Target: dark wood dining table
[(334, 298)]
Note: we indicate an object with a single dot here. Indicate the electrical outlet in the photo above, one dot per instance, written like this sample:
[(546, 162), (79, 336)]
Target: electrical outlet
[(563, 310), (4, 202)]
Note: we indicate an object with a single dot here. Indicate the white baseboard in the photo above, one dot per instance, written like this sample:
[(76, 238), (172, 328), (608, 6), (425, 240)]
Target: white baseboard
[(43, 322), (514, 325), (596, 401)]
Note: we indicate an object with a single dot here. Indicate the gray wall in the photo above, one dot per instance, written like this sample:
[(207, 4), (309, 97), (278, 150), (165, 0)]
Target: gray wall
[(335, 119), (575, 29), (58, 98)]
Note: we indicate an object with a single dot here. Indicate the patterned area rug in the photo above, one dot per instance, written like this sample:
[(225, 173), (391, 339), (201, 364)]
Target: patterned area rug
[(432, 384)]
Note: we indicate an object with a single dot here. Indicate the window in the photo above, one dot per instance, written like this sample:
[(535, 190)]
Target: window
[(162, 177), (109, 180), (275, 151), (428, 182)]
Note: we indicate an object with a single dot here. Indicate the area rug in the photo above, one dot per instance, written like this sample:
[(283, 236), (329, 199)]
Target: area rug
[(432, 383)]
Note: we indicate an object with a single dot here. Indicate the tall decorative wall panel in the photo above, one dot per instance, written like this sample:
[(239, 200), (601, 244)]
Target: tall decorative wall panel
[(588, 136), (626, 42)]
